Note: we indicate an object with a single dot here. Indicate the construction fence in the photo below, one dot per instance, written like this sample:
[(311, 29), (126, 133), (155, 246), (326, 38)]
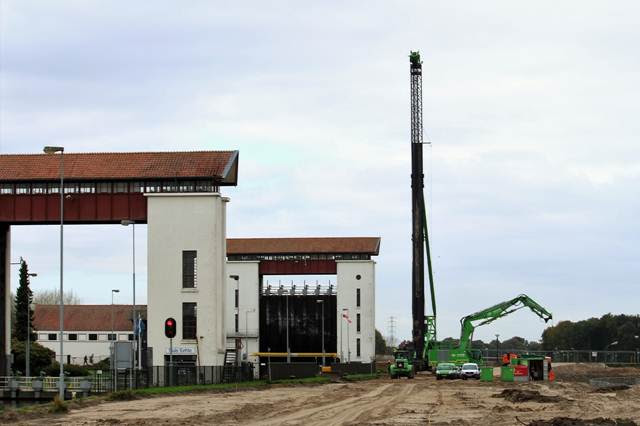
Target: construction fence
[(607, 357)]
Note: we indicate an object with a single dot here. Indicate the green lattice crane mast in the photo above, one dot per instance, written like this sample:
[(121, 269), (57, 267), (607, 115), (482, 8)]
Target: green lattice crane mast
[(469, 323), (423, 326)]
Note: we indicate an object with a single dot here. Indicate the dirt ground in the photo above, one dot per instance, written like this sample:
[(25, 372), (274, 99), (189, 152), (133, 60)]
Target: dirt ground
[(421, 401)]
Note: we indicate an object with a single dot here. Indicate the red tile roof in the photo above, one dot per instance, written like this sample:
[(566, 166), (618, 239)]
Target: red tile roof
[(326, 245), (85, 317), (218, 165)]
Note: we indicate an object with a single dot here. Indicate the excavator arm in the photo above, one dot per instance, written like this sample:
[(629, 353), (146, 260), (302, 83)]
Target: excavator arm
[(486, 316)]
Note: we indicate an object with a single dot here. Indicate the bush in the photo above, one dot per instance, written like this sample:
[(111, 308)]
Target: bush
[(58, 405), (70, 370), (39, 356)]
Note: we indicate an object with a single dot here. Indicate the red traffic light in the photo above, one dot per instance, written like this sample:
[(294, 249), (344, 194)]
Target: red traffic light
[(170, 328)]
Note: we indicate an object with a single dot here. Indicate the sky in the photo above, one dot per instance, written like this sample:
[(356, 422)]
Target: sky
[(532, 174)]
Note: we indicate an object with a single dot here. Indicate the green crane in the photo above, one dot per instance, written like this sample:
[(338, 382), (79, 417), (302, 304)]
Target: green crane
[(462, 353)]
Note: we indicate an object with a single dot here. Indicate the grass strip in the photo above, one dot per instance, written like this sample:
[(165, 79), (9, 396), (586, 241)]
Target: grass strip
[(360, 377)]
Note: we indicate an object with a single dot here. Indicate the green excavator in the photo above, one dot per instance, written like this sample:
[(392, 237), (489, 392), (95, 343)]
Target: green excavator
[(463, 352)]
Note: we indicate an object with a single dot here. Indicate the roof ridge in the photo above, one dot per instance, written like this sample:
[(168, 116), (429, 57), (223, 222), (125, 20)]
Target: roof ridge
[(127, 152)]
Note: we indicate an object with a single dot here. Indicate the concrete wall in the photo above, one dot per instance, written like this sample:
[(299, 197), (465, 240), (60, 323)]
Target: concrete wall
[(178, 222), (248, 322), (353, 275)]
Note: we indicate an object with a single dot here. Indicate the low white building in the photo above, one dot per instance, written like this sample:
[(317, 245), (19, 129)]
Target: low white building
[(88, 329)]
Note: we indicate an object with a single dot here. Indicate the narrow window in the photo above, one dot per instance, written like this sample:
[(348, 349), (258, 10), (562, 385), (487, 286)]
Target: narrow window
[(186, 186), (358, 347), (73, 336), (39, 188), (237, 297), (153, 187), (52, 336), (189, 320), (93, 336), (6, 188), (136, 186), (169, 186), (358, 297), (70, 187), (130, 336), (111, 336), (358, 323), (87, 188), (204, 186), (189, 269), (237, 324), (53, 188), (23, 188)]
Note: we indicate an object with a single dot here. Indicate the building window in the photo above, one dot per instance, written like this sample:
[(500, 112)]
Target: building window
[(169, 186), (189, 320), (358, 348), (186, 186), (6, 188), (204, 186), (358, 297), (237, 325), (153, 187), (104, 187), (130, 336), (237, 297), (93, 337), (189, 269), (73, 336), (23, 188), (39, 188), (52, 336), (120, 187), (70, 187), (358, 323), (53, 188), (111, 336), (87, 188)]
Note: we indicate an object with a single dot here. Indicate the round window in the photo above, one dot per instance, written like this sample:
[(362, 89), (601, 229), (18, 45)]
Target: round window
[(358, 277)]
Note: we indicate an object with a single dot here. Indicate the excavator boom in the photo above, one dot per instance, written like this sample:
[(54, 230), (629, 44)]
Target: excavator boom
[(485, 316)]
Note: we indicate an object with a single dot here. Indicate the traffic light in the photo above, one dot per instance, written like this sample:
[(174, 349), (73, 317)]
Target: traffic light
[(170, 328)]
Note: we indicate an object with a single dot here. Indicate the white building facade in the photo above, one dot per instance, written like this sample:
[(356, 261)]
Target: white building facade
[(187, 277)]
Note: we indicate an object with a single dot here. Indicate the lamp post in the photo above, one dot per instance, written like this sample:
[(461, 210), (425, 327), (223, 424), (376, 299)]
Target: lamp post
[(114, 355), (246, 329), (136, 338), (54, 150), (321, 302), (27, 369)]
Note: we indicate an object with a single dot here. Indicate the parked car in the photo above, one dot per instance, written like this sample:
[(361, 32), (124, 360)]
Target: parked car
[(470, 370), (447, 370)]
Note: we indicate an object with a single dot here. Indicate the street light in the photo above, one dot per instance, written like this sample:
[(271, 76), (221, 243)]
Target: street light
[(136, 338), (246, 329), (27, 369), (321, 302), (54, 150), (114, 355), (115, 290)]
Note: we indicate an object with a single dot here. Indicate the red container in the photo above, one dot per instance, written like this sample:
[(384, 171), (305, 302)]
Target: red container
[(521, 370)]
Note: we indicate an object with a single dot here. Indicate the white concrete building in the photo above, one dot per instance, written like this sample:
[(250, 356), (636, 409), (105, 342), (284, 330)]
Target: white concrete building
[(187, 277), (356, 299), (88, 329)]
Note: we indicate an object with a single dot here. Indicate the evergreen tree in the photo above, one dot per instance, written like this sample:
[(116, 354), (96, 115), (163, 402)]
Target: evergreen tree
[(23, 300)]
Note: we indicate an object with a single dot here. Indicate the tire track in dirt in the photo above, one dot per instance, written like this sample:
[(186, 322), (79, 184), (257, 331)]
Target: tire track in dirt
[(336, 413)]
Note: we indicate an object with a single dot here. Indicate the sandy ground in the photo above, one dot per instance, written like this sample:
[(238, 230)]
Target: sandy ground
[(422, 400)]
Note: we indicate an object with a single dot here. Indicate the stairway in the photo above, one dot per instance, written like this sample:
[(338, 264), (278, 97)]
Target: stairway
[(229, 368)]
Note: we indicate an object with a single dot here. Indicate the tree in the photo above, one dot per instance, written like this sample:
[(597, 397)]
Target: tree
[(52, 297), (23, 300), (381, 344)]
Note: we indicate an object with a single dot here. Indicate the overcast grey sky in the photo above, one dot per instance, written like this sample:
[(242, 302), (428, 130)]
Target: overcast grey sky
[(531, 107)]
